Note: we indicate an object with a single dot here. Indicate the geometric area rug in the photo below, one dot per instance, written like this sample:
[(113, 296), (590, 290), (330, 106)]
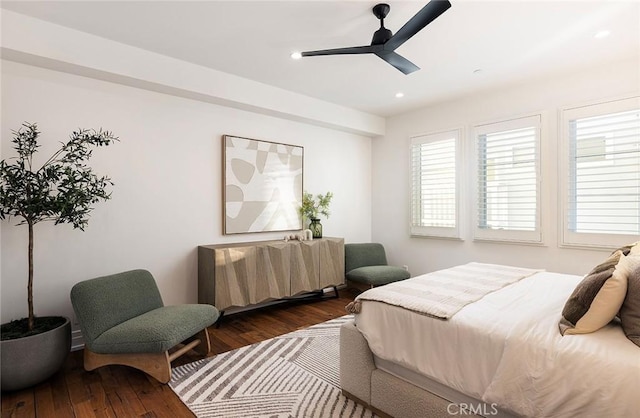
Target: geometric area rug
[(292, 375)]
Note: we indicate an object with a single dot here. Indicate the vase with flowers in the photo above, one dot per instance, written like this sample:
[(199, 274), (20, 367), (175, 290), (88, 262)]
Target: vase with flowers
[(313, 206)]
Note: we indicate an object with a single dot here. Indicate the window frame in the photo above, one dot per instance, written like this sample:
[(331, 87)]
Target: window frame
[(568, 238), (534, 237), (436, 231)]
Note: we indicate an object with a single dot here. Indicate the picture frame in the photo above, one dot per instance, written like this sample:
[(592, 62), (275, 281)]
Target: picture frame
[(262, 185)]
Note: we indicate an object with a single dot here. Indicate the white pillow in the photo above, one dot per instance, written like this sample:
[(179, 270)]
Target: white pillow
[(598, 298)]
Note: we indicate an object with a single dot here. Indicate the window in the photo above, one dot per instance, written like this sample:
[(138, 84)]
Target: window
[(507, 183), (601, 174), (434, 184)]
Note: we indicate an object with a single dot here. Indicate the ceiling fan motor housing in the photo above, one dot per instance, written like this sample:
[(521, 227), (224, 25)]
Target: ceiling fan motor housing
[(381, 36)]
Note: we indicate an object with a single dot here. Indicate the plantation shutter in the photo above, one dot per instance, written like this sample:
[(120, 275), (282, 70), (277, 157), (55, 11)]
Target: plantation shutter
[(603, 179), (434, 185), (508, 180)]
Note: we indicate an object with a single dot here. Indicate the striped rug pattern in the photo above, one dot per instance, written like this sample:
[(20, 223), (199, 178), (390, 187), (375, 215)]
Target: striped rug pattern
[(293, 375)]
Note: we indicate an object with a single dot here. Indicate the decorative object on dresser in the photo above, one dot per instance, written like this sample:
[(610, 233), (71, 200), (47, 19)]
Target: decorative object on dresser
[(305, 235), (310, 209), (316, 228), (239, 275), (262, 185)]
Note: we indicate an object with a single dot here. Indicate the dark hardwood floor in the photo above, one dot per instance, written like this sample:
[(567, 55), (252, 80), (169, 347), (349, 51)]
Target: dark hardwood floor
[(119, 391)]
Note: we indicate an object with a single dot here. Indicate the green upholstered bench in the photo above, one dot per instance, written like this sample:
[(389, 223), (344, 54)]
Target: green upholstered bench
[(124, 321), (366, 263)]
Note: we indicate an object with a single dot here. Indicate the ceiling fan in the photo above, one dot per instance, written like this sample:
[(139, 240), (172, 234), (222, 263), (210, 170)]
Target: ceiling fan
[(384, 43)]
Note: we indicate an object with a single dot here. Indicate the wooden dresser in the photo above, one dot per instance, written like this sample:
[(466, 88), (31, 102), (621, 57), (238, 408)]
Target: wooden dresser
[(242, 274)]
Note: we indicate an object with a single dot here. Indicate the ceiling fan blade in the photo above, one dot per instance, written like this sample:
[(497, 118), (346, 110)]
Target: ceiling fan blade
[(426, 15), (366, 49), (398, 61)]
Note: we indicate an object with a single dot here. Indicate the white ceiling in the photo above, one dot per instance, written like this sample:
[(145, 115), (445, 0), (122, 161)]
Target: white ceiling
[(509, 41)]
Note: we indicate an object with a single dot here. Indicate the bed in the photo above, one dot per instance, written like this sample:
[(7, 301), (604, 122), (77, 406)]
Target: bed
[(499, 355)]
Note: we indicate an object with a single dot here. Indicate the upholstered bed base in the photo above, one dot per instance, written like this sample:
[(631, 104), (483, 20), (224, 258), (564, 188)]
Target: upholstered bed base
[(384, 393)]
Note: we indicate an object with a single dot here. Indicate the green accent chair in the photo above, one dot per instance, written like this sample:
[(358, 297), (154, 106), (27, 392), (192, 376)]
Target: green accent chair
[(366, 263), (124, 321)]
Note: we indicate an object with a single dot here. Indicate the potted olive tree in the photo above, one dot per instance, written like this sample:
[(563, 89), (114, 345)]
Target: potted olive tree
[(63, 190), (312, 207)]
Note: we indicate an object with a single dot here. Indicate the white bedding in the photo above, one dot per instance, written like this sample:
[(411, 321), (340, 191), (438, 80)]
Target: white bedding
[(506, 348)]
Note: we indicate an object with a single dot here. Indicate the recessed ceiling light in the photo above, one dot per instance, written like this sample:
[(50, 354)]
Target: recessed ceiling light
[(477, 71), (602, 34), (399, 94), (296, 55)]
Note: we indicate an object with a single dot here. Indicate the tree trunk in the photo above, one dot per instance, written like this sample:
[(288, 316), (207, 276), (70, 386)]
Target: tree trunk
[(30, 282)]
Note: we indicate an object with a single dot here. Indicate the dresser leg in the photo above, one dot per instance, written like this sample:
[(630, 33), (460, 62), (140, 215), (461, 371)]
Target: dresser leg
[(219, 320)]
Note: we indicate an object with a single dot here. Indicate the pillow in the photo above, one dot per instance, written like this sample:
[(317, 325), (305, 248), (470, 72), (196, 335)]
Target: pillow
[(630, 311), (597, 298), (627, 248), (594, 301)]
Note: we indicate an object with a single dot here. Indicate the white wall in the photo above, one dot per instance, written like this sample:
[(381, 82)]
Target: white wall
[(167, 173), (35, 42), (391, 184)]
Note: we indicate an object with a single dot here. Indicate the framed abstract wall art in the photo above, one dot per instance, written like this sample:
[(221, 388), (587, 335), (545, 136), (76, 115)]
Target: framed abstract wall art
[(262, 188)]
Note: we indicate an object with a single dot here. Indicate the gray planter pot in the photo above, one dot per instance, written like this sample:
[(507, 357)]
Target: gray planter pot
[(30, 360)]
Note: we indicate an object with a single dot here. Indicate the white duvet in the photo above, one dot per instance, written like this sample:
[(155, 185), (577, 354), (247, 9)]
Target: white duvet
[(506, 348)]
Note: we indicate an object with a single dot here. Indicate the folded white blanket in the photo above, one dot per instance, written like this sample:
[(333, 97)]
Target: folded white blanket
[(442, 293)]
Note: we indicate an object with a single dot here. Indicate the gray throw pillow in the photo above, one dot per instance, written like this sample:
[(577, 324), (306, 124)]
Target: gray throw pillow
[(630, 311), (598, 298), (604, 285)]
